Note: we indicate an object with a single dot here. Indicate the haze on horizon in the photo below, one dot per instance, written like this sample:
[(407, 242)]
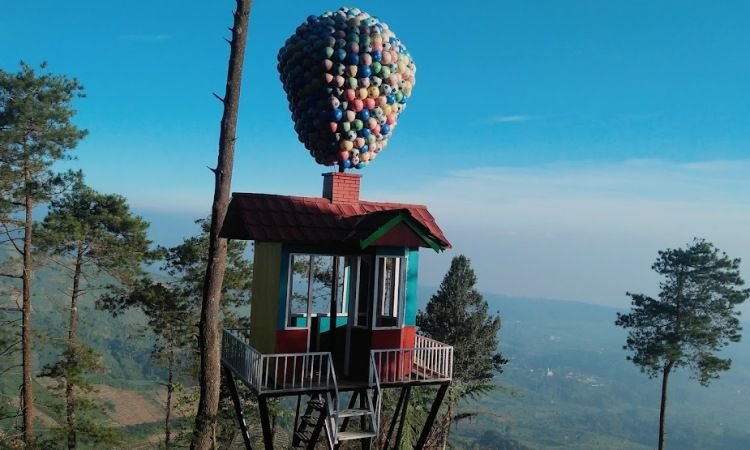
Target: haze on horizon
[(559, 146)]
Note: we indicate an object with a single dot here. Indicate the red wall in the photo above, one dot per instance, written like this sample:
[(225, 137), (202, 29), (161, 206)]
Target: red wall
[(291, 341)]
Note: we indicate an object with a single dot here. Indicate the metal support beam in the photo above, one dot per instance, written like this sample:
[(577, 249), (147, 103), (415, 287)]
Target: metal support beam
[(431, 417), (229, 377), (265, 422), (394, 418), (404, 412)]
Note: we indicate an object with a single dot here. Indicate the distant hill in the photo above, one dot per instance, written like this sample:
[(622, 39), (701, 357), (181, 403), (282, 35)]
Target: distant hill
[(569, 386)]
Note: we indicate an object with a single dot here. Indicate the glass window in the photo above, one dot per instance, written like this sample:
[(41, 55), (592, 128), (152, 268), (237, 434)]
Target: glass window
[(312, 280), (364, 291), (389, 291)]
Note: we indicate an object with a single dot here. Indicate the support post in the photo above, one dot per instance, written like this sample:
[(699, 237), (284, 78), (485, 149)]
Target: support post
[(395, 417), (404, 412), (229, 376), (265, 423), (431, 417)]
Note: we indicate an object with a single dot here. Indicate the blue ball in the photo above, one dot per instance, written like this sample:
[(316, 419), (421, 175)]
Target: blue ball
[(376, 56), (365, 133), (347, 164), (365, 148), (385, 129), (364, 115), (337, 114), (360, 166), (340, 54), (353, 59), (365, 71), (391, 99)]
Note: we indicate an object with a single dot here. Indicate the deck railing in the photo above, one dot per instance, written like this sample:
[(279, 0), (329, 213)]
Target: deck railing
[(277, 372), (429, 360)]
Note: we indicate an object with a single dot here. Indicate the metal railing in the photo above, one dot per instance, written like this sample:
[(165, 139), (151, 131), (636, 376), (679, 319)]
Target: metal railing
[(277, 372), (374, 381), (429, 360)]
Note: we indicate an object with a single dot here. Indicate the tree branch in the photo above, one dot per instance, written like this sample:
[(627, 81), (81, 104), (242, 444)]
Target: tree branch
[(11, 239), (8, 275)]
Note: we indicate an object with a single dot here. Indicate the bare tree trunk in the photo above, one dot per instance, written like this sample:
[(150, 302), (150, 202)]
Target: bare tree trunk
[(27, 395), (70, 405), (209, 333), (663, 410), (170, 390)]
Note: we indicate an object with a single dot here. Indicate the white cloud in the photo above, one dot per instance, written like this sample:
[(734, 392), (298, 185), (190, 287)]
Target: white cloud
[(511, 118), (585, 231)]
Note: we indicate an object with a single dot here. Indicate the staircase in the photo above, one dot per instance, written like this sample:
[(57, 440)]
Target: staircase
[(321, 413)]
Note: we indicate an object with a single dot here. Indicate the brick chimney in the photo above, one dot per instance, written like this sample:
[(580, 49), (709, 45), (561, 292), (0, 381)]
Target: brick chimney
[(341, 187)]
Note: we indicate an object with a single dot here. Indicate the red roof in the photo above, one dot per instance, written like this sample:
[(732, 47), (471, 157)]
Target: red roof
[(316, 220)]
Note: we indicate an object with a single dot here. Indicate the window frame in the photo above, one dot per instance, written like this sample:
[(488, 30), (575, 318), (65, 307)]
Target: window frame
[(400, 298), (343, 303)]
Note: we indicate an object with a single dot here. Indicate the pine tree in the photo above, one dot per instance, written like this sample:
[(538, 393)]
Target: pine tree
[(458, 315), (694, 317), (210, 334), (172, 308), (90, 235), (36, 130)]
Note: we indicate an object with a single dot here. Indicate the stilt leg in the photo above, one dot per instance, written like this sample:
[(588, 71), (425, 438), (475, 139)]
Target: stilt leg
[(395, 417), (431, 417), (229, 377), (404, 412), (265, 423)]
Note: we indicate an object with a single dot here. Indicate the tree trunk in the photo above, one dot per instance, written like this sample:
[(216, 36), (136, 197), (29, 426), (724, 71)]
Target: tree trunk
[(70, 405), (209, 333), (663, 410), (27, 398), (170, 390)]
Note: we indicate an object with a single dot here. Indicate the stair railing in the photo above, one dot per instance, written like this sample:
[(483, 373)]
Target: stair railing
[(375, 381)]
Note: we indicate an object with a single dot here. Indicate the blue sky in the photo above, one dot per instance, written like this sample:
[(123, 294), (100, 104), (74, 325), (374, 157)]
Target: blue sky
[(560, 144)]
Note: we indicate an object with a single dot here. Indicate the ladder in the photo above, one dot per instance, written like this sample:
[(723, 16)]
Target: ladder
[(321, 413)]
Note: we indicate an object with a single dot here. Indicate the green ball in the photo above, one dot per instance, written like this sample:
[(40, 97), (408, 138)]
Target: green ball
[(376, 67), (385, 72), (352, 82), (358, 124), (328, 51), (346, 126)]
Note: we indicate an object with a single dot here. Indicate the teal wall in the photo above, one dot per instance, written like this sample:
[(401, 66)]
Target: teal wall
[(410, 302)]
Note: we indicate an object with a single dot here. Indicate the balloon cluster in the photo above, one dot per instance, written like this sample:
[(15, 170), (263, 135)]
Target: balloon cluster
[(347, 78)]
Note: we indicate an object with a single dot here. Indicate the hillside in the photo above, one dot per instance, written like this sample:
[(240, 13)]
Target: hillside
[(568, 385), (572, 388)]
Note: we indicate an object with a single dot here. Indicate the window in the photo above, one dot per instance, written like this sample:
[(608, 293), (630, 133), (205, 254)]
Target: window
[(312, 282), (389, 291), (364, 291)]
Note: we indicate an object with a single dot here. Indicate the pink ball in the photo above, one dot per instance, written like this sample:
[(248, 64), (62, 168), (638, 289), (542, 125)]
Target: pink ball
[(350, 94), (334, 126), (343, 156), (358, 105), (369, 103)]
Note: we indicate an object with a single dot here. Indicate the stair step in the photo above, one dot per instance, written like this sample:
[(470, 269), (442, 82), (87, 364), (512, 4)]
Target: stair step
[(316, 404), (303, 436), (351, 435), (353, 412)]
